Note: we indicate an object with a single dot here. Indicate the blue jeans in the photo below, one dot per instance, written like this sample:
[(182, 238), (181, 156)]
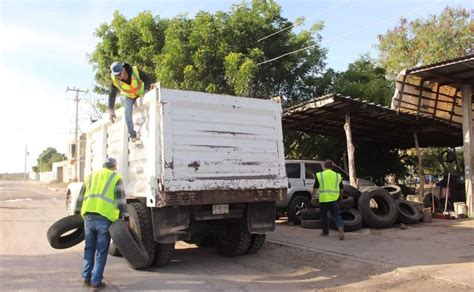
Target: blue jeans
[(333, 207), (97, 240), (128, 105)]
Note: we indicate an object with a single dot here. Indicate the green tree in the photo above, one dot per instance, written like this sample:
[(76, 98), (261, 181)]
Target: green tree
[(47, 157), (426, 41)]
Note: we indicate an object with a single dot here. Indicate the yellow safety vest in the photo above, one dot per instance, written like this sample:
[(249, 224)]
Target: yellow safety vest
[(99, 196), (329, 181), (135, 89)]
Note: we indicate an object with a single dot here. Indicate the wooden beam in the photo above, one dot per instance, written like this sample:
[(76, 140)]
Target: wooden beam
[(467, 129), (350, 152), (421, 174)]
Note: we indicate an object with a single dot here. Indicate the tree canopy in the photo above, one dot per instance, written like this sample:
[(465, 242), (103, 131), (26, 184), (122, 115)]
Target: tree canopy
[(47, 157)]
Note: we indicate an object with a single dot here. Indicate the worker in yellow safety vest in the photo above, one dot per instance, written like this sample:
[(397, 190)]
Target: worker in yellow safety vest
[(101, 202), (329, 185), (132, 83)]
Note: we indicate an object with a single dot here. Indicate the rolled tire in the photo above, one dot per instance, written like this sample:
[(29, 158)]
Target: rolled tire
[(234, 240), (407, 213), (130, 245), (394, 191), (347, 202), (113, 250), (352, 220), (141, 224), (377, 207), (351, 191), (163, 254), (59, 234), (298, 204), (310, 214), (256, 243), (311, 223)]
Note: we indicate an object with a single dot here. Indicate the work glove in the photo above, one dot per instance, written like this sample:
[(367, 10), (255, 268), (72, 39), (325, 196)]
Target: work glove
[(112, 115)]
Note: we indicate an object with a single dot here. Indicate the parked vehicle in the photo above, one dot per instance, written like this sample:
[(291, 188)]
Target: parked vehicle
[(301, 176), (209, 169)]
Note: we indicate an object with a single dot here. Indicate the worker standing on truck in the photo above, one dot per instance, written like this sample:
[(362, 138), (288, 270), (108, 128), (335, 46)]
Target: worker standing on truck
[(329, 184), (132, 83), (101, 202)]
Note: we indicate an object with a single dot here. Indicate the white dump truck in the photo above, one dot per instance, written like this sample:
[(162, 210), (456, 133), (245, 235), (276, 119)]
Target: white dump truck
[(208, 170)]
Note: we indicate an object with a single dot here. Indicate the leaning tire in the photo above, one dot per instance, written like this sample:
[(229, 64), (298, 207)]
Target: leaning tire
[(347, 202), (55, 233), (351, 191), (394, 191), (256, 243), (310, 214), (163, 254), (298, 204), (113, 250), (352, 220), (311, 223), (129, 244), (141, 224), (234, 240), (407, 213), (377, 208)]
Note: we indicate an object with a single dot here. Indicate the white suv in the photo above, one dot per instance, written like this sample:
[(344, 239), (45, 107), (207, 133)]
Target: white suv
[(301, 177)]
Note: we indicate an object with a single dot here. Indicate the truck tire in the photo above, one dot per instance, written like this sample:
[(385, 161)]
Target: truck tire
[(394, 191), (407, 213), (256, 243), (352, 220), (310, 214), (113, 249), (298, 204), (351, 191), (311, 223), (383, 214), (234, 240), (347, 202), (55, 233), (140, 222), (130, 245), (163, 254)]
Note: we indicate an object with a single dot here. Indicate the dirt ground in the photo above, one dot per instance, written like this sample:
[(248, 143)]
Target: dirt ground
[(292, 259)]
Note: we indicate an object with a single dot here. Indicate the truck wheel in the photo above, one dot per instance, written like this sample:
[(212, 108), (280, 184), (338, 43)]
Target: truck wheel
[(296, 206), (129, 244), (256, 243), (163, 254), (407, 213), (377, 208), (55, 234), (113, 249), (140, 222), (233, 240), (311, 223)]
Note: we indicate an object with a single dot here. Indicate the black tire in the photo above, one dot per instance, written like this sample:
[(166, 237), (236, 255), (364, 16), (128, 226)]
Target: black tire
[(394, 191), (295, 207), (56, 232), (141, 224), (407, 190), (311, 223), (256, 243), (207, 241), (383, 212), (407, 213), (163, 254), (427, 202), (234, 240), (113, 250), (347, 202), (129, 244), (310, 214), (352, 220), (351, 191)]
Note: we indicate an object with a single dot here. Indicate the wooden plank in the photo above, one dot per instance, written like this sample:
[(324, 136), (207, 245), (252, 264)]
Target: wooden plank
[(468, 147), (350, 152), (421, 174)]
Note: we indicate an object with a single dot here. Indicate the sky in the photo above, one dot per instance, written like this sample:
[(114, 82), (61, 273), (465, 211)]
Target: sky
[(45, 44)]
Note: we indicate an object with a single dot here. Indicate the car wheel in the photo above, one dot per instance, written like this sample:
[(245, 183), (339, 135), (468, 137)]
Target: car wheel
[(296, 206)]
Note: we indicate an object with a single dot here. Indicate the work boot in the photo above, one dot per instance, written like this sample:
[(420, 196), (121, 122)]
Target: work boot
[(98, 287), (134, 138), (87, 283), (341, 233)]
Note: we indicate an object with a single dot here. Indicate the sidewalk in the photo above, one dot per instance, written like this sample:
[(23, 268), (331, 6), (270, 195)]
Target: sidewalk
[(443, 249)]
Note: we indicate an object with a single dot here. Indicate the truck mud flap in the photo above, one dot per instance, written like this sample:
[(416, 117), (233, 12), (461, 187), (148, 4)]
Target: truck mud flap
[(170, 224), (261, 217)]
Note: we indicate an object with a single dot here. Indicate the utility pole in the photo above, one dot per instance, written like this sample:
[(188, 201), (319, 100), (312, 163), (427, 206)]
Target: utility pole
[(76, 133), (26, 157)]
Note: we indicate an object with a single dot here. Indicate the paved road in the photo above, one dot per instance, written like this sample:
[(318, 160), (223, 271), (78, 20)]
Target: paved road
[(28, 263)]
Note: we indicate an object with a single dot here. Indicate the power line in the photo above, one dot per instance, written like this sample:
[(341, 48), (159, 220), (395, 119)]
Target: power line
[(346, 34)]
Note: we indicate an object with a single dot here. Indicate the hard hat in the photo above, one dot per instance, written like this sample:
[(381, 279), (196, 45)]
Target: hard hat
[(116, 68)]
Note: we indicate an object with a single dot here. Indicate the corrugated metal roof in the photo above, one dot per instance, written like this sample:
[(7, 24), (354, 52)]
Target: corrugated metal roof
[(369, 122)]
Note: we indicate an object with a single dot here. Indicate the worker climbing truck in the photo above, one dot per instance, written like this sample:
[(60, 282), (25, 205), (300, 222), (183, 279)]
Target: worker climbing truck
[(208, 170)]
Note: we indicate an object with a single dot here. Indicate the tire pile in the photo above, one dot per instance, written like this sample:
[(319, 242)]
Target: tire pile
[(375, 207)]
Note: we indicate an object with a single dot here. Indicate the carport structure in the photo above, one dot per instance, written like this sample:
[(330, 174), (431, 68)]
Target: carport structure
[(432, 106)]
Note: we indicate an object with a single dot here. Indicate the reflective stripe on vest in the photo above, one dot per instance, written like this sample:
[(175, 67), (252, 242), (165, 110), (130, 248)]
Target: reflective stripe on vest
[(99, 196), (135, 89), (329, 181)]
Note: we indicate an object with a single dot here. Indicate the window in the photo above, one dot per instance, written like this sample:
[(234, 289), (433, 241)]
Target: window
[(311, 169), (343, 174), (293, 170)]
